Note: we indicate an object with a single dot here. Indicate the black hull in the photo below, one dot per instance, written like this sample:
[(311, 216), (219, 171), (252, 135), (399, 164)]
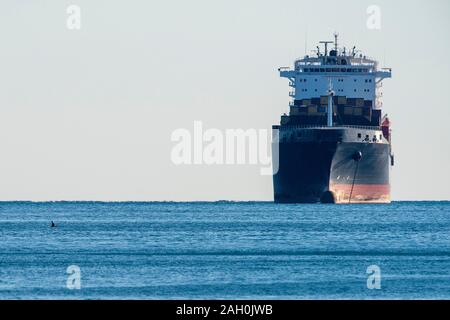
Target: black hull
[(335, 167)]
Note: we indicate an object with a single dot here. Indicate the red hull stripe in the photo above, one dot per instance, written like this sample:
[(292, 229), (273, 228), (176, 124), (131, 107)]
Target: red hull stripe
[(361, 192)]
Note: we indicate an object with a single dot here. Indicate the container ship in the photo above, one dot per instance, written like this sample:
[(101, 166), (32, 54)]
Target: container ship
[(334, 146)]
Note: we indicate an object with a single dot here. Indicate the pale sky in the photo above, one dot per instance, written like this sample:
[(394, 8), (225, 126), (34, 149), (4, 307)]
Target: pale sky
[(88, 114)]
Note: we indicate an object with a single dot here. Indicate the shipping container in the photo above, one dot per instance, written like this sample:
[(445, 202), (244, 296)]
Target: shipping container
[(294, 110), (284, 119), (359, 102), (312, 109), (376, 117), (342, 100), (348, 110), (357, 111), (367, 111), (315, 101)]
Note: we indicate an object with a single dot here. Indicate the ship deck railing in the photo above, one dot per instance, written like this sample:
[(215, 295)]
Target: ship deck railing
[(319, 126)]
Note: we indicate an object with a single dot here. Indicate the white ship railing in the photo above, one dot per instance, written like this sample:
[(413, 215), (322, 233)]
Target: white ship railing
[(319, 126)]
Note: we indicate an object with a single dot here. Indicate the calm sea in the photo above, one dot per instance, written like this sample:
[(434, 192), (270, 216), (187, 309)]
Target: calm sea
[(224, 250)]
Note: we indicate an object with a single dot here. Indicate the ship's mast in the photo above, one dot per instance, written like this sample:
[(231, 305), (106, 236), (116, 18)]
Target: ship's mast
[(330, 104), (336, 41)]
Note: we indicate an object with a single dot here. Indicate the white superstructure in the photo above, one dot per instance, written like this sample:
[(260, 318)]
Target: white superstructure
[(352, 75)]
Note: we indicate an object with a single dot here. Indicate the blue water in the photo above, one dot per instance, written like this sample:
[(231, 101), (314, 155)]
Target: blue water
[(224, 250)]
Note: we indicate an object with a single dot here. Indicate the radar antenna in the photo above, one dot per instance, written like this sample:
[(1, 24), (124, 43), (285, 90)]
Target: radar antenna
[(335, 41)]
